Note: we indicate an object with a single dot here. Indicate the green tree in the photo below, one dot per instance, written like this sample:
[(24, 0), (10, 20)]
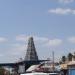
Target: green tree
[(63, 59), (70, 57), (74, 56), (2, 70)]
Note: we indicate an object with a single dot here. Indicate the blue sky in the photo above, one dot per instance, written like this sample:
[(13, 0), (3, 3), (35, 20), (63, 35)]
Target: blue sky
[(50, 22)]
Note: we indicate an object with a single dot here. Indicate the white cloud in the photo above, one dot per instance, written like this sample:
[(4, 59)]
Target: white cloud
[(66, 1), (1, 55), (41, 40), (36, 38), (22, 38), (14, 53), (62, 11), (54, 42), (71, 39), (18, 49), (2, 39)]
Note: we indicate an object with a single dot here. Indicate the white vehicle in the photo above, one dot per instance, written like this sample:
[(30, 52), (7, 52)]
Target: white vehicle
[(40, 73)]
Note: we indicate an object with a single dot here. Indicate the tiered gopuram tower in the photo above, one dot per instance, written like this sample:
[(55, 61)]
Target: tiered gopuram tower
[(31, 54)]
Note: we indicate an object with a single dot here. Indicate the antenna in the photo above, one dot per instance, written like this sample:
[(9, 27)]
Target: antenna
[(53, 59)]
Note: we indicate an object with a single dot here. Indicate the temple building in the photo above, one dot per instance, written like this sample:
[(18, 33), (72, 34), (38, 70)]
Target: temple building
[(31, 55)]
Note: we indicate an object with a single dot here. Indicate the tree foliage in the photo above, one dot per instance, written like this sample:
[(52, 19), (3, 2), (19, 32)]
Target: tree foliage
[(2, 70), (63, 59), (70, 57)]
